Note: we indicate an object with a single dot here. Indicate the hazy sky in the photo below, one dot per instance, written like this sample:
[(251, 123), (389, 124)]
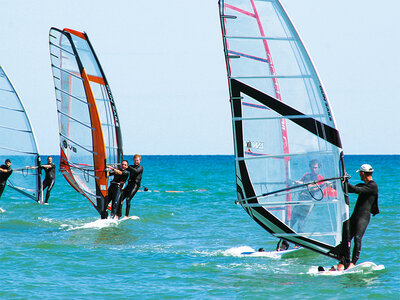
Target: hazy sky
[(165, 64)]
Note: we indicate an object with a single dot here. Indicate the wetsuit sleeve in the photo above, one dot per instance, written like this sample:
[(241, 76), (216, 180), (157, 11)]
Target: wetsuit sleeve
[(362, 188)]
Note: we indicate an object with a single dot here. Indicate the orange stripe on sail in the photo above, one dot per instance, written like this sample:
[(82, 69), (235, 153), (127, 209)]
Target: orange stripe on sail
[(99, 157), (96, 79), (74, 32)]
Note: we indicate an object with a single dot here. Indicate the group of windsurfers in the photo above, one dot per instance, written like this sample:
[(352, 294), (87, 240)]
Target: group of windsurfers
[(48, 182), (367, 204), (117, 193), (367, 201)]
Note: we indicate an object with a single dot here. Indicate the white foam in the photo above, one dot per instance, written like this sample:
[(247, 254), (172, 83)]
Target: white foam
[(237, 251), (98, 224), (2, 210)]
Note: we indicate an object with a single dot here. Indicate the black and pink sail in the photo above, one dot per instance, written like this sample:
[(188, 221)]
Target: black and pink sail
[(283, 126)]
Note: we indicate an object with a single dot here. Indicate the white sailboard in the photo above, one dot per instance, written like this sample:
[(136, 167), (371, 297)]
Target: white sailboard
[(18, 143), (282, 121), (364, 267)]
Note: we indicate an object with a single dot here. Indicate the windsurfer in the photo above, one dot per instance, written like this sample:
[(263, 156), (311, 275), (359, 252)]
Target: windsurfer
[(282, 245), (367, 204), (135, 177), (5, 172), (114, 191), (50, 178), (301, 212)]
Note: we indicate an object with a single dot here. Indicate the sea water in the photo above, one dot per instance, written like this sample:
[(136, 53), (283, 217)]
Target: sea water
[(185, 242)]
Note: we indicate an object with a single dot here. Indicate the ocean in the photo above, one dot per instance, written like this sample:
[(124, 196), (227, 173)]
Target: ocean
[(185, 242)]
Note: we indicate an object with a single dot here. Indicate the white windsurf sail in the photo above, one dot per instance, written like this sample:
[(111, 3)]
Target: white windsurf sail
[(90, 136), (283, 125), (18, 143)]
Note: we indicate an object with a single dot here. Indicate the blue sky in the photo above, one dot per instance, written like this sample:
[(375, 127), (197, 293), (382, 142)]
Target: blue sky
[(165, 65)]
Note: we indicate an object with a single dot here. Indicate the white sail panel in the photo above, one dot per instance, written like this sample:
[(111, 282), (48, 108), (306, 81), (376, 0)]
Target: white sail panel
[(19, 143)]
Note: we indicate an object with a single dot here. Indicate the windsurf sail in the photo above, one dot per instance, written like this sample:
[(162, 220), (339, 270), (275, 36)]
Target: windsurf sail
[(18, 143), (90, 135), (283, 125)]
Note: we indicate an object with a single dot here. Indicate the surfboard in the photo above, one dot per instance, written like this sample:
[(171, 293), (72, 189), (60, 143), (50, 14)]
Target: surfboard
[(365, 267), (129, 218)]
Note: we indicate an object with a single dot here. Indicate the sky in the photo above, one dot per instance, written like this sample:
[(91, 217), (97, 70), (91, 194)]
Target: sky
[(165, 65)]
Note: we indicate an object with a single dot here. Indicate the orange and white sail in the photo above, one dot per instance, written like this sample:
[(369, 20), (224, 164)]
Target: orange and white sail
[(90, 135)]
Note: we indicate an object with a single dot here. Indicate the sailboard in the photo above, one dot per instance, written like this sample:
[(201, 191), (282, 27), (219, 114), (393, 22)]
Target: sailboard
[(282, 121), (89, 129), (279, 254), (18, 143), (364, 267)]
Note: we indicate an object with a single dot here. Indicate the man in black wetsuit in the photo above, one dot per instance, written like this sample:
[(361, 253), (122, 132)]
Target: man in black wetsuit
[(5, 172), (135, 177), (50, 178), (367, 204), (115, 189)]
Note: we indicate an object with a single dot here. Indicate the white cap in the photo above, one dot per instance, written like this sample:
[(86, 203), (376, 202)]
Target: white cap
[(365, 168)]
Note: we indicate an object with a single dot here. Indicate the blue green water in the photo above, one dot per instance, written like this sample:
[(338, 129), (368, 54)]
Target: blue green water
[(184, 244)]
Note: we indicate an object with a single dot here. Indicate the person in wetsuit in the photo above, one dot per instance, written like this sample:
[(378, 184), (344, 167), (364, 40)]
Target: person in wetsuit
[(115, 189), (50, 178), (135, 177), (282, 245), (367, 204), (5, 172), (301, 212)]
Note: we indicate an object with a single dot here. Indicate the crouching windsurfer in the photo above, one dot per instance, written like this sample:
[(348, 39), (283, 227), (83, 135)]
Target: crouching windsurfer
[(50, 178), (367, 204), (115, 189), (135, 178), (5, 172)]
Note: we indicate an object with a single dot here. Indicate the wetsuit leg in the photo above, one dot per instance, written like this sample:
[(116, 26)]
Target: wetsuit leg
[(116, 202), (2, 186), (358, 226), (49, 185), (129, 198)]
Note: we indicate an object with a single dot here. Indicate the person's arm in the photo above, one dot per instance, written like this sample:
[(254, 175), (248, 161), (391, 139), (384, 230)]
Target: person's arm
[(115, 171), (362, 188)]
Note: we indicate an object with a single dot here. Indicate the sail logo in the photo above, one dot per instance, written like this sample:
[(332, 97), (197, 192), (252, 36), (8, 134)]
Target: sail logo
[(114, 109), (68, 146), (326, 103), (255, 145)]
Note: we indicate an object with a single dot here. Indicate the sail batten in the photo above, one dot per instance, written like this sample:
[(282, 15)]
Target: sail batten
[(283, 126)]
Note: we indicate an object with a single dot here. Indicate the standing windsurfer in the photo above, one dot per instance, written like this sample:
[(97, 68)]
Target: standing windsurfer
[(115, 189), (5, 172), (367, 204), (301, 212), (50, 178), (135, 177)]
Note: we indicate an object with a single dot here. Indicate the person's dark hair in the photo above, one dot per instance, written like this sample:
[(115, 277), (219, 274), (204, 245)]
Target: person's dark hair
[(315, 162), (7, 160), (126, 161)]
